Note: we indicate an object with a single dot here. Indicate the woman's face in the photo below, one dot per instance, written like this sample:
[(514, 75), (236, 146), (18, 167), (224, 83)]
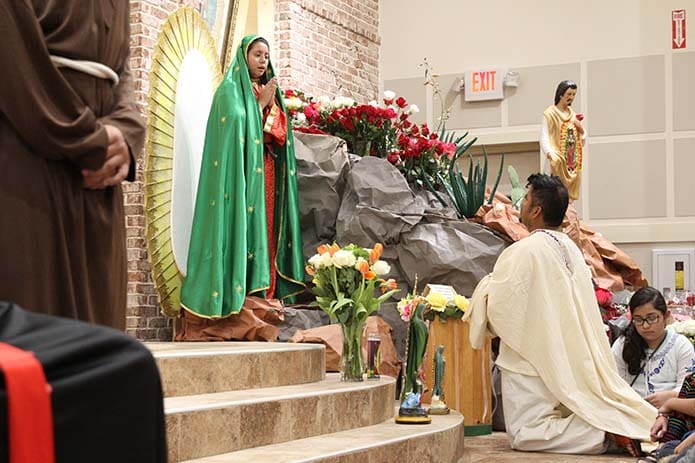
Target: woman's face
[(650, 323), (257, 59)]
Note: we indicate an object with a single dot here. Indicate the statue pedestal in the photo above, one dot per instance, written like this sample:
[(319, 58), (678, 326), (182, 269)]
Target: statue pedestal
[(467, 381)]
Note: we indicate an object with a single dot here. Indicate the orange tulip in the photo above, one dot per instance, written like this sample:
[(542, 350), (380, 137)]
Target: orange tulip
[(333, 249), (364, 267), (322, 249), (309, 270), (375, 254), (391, 284), (369, 275)]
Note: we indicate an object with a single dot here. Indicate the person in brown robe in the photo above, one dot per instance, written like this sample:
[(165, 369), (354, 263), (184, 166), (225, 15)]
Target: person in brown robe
[(67, 140)]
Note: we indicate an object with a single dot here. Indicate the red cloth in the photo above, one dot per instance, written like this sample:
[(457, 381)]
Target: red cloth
[(269, 166), (30, 418), (276, 133)]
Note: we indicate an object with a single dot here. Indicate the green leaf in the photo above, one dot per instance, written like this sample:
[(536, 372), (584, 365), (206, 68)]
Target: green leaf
[(497, 181)]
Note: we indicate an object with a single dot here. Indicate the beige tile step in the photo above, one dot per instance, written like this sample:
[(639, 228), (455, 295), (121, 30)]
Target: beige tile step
[(221, 422), (189, 368), (387, 442)]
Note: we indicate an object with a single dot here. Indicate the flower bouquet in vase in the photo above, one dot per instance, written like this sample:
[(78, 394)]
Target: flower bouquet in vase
[(349, 288)]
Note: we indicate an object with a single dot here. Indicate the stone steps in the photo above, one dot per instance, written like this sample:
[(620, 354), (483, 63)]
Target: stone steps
[(234, 420), (273, 402), (387, 442), (201, 368)]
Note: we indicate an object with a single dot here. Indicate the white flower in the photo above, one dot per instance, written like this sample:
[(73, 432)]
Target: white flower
[(389, 95), (373, 103), (380, 267), (343, 102), (293, 103), (358, 262), (413, 109), (344, 258), (326, 260), (686, 327), (324, 102), (300, 117), (315, 261)]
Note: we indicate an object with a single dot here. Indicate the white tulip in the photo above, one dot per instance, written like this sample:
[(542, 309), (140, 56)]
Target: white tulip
[(380, 267), (389, 95), (315, 261), (326, 260), (413, 109), (300, 117), (373, 103), (344, 258), (358, 262)]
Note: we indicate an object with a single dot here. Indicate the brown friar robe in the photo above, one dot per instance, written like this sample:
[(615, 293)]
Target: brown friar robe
[(62, 247)]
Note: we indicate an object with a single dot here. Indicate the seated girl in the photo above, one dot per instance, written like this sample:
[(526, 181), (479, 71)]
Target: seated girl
[(654, 360), (674, 427)]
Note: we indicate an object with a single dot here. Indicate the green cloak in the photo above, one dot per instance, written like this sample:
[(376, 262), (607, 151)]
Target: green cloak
[(228, 256)]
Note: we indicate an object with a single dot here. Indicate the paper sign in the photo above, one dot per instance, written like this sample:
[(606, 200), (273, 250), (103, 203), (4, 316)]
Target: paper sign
[(445, 290)]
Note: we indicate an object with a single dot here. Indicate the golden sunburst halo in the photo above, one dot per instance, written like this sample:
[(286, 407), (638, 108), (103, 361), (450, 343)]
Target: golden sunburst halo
[(183, 32)]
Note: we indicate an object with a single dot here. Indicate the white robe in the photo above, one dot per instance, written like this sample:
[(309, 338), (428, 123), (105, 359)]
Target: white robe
[(540, 301)]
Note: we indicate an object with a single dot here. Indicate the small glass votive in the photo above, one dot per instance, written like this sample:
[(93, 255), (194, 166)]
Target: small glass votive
[(373, 357)]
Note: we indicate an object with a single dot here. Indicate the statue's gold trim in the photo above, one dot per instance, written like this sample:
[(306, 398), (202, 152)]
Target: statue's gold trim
[(183, 31)]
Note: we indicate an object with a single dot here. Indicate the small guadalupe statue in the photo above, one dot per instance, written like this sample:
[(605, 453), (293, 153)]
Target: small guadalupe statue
[(438, 406), (411, 410)]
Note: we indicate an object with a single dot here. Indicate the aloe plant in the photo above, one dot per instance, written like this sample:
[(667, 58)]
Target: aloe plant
[(518, 191), (448, 136), (468, 193)]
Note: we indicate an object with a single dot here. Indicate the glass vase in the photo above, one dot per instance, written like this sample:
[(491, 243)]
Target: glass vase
[(351, 364)]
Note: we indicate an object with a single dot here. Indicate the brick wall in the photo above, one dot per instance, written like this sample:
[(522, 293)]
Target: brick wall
[(143, 318), (320, 47), (328, 46)]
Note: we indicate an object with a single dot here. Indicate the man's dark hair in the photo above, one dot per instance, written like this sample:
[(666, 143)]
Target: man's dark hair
[(551, 195), (562, 87)]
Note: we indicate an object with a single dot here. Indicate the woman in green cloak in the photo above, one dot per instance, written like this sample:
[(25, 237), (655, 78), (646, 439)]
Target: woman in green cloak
[(246, 238)]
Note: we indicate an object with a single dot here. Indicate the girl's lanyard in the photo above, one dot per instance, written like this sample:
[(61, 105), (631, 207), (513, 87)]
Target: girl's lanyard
[(641, 369)]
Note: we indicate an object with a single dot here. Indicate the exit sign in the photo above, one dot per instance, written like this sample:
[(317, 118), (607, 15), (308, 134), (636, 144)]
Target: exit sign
[(484, 84)]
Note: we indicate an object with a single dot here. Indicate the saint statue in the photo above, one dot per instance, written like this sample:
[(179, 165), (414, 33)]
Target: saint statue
[(562, 139), (413, 384), (438, 406)]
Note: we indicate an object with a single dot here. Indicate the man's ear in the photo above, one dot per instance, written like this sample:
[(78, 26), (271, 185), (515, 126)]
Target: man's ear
[(536, 212)]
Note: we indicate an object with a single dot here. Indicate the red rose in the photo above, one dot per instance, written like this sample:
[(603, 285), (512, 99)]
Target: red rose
[(310, 112), (289, 93), (393, 157), (433, 136), (580, 117), (401, 103), (603, 297)]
